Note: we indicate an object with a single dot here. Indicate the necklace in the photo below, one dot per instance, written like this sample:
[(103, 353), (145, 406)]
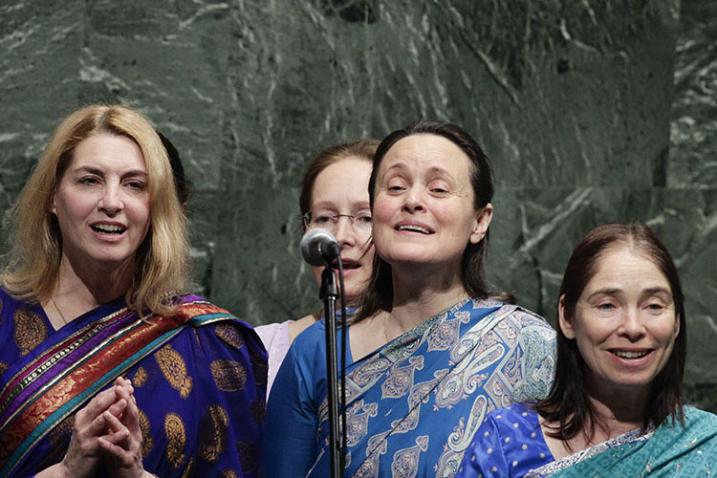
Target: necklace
[(62, 316)]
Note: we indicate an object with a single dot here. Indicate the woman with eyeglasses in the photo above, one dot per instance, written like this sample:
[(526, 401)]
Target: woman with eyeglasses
[(334, 197), (431, 349)]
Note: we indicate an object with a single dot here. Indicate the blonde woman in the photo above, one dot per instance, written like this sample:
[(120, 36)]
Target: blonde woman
[(106, 368)]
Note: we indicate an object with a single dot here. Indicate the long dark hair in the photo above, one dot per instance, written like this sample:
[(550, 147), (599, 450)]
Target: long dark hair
[(379, 295), (568, 403)]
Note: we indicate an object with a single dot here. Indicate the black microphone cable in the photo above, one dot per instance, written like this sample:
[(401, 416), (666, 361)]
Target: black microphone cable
[(342, 299)]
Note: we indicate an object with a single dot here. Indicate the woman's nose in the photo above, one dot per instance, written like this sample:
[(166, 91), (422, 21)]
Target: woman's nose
[(632, 324), (111, 201), (413, 200), (344, 232)]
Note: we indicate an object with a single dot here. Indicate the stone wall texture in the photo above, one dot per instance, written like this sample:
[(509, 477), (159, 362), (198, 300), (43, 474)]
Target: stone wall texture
[(591, 112)]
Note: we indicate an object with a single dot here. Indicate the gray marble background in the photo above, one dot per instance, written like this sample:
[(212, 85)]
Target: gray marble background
[(591, 111)]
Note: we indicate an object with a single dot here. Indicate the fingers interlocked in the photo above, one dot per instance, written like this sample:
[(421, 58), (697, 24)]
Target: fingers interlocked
[(107, 429)]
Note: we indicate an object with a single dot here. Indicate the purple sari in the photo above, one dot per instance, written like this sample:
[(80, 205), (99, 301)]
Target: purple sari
[(199, 378)]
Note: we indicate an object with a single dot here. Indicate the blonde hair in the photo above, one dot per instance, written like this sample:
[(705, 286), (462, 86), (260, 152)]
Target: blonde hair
[(160, 266)]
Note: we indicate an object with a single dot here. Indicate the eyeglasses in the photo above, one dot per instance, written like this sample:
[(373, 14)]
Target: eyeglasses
[(360, 222)]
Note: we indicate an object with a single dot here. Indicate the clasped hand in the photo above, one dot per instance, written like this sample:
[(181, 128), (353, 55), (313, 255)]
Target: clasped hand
[(106, 429)]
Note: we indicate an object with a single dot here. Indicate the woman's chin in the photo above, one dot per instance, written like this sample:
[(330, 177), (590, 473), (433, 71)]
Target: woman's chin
[(353, 291)]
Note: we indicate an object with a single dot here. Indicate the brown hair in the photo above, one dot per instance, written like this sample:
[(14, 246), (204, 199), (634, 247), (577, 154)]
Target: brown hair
[(364, 148), (36, 242), (568, 403), (379, 295)]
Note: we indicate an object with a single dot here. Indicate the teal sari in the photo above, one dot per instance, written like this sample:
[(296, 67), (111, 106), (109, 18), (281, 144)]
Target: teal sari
[(669, 451)]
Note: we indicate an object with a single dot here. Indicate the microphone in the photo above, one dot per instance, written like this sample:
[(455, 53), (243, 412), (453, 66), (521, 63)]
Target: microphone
[(319, 247)]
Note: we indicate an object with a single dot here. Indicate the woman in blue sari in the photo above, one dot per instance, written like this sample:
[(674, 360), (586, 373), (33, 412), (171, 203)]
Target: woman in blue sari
[(431, 351), (106, 369), (615, 408), (334, 197)]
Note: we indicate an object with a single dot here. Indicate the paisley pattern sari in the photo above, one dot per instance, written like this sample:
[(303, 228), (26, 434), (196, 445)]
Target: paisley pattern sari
[(199, 377), (415, 404)]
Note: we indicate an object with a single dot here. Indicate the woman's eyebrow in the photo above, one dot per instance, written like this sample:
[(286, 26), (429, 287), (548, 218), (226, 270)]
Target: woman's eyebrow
[(605, 291), (89, 169), (656, 290)]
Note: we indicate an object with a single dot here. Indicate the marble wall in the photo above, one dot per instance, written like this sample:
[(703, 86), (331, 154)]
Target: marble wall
[(591, 111), (690, 194)]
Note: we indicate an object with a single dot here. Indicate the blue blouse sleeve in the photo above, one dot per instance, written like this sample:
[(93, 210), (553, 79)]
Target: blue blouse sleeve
[(290, 443), (485, 457), (509, 443)]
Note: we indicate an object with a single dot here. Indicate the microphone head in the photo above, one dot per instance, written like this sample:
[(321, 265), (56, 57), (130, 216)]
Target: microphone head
[(319, 246)]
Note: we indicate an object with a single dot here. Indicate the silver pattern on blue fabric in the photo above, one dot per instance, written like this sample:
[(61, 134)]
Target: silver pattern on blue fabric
[(414, 405)]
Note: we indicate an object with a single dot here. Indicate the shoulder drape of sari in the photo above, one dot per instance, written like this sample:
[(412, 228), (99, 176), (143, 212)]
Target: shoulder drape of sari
[(199, 378), (669, 451), (414, 405)]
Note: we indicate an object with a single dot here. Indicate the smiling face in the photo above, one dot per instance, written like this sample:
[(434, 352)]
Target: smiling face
[(624, 323), (423, 205), (342, 189), (102, 202)]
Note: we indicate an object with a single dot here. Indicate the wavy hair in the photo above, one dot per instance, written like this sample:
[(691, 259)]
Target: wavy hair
[(160, 267)]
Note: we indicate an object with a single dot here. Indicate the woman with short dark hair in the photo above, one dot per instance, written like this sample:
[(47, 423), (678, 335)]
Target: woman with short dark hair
[(616, 406)]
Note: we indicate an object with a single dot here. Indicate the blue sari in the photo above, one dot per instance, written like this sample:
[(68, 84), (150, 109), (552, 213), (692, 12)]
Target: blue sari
[(199, 378), (415, 403)]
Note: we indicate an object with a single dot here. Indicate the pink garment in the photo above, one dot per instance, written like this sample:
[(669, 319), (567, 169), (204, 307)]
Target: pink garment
[(277, 342)]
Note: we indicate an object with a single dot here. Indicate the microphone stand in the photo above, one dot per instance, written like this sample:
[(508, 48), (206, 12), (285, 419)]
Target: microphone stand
[(328, 293)]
